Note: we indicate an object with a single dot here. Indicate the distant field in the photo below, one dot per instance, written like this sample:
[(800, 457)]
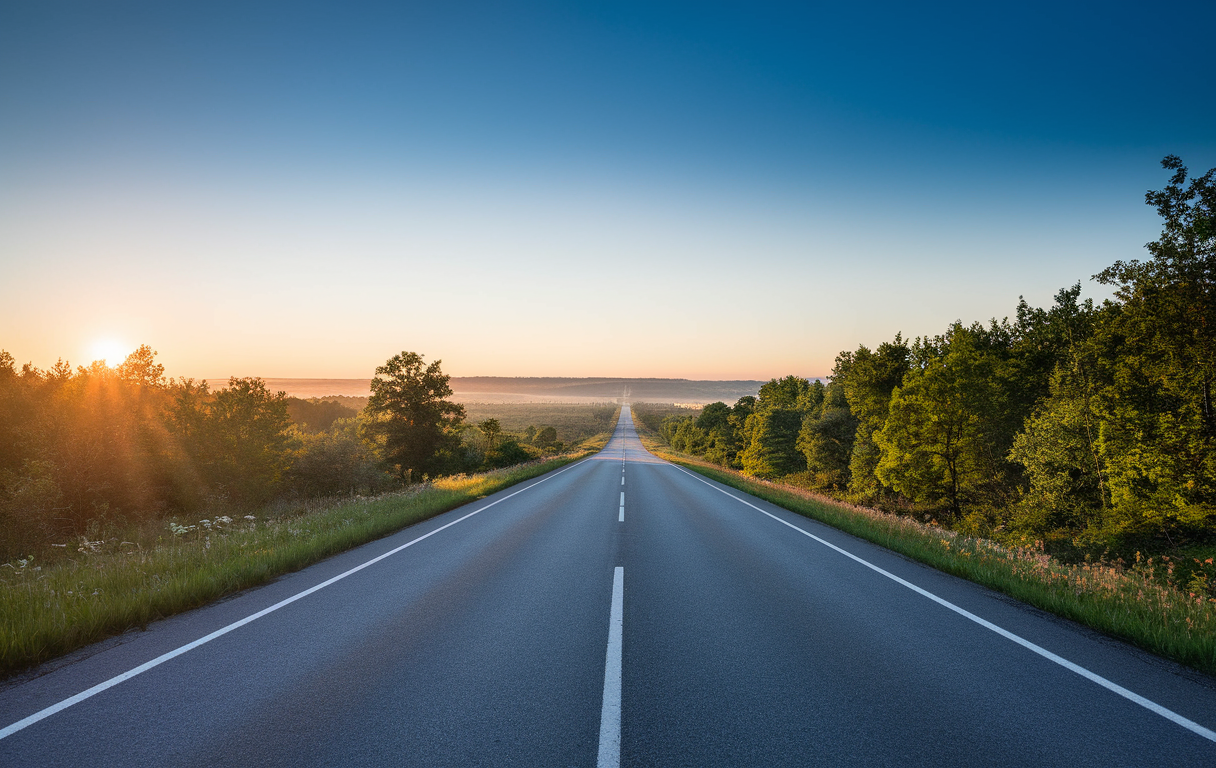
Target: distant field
[(573, 422), (505, 389)]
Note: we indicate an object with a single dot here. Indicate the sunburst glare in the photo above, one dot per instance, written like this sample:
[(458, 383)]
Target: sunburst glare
[(111, 351)]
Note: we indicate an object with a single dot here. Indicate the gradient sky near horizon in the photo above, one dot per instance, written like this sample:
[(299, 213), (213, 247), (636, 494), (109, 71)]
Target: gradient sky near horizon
[(698, 190)]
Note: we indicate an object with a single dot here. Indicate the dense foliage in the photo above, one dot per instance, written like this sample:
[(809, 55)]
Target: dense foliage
[(97, 447), (1090, 428)]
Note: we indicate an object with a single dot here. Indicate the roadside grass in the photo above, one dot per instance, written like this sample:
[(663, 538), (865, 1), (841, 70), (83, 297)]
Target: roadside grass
[(109, 587), (1128, 603)]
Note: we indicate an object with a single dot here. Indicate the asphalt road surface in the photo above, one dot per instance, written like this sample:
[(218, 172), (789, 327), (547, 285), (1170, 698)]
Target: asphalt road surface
[(619, 611)]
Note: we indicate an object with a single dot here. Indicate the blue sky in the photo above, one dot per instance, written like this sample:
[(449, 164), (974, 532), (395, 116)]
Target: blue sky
[(657, 189)]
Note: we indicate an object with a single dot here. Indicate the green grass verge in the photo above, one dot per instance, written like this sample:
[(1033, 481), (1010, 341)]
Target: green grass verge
[(1128, 604), (49, 611)]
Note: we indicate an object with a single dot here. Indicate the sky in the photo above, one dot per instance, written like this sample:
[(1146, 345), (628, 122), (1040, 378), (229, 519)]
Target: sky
[(687, 190)]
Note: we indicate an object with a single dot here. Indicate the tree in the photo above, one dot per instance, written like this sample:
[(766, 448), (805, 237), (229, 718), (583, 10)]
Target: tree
[(337, 460), (247, 426), (690, 438), (410, 417), (771, 432), (722, 441), (1154, 355), (772, 451), (713, 417), (141, 368), (739, 436), (783, 393), (868, 379), (507, 453), (1123, 447), (826, 439), (1064, 478), (491, 429), (1172, 298), (942, 438), (545, 437)]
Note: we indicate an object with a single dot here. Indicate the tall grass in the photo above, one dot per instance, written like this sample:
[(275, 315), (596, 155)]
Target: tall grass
[(1129, 602), (108, 587)]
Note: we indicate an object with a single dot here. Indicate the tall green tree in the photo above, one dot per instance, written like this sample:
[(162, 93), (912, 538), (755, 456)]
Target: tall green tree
[(942, 440), (772, 429), (410, 416), (868, 379), (1123, 451), (1059, 448), (1159, 428), (772, 450), (247, 439), (722, 444), (826, 439), (1171, 299)]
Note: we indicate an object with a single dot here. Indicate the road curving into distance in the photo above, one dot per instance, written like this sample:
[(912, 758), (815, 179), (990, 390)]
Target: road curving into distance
[(618, 611)]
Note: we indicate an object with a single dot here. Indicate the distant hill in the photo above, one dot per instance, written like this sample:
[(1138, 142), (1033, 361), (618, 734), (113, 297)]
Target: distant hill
[(514, 389)]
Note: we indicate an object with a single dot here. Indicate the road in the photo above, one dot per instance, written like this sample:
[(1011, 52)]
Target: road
[(619, 611)]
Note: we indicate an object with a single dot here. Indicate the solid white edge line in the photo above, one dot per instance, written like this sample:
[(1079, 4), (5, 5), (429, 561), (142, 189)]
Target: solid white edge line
[(1131, 696), (113, 681), (610, 713)]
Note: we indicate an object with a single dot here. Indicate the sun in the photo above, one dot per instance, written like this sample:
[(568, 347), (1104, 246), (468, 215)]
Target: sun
[(111, 351)]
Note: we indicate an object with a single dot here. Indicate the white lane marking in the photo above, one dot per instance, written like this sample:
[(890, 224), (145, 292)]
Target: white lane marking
[(1131, 696), (621, 517), (622, 477), (610, 714), (113, 681), (622, 498)]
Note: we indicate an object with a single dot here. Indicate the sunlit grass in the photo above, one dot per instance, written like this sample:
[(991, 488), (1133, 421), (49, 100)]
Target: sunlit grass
[(103, 587), (1128, 601)]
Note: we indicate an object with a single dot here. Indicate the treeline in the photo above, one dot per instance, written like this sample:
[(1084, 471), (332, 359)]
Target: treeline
[(1089, 428), (95, 446)]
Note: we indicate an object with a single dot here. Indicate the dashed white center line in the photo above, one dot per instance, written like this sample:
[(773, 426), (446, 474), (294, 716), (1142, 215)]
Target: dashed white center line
[(610, 714)]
